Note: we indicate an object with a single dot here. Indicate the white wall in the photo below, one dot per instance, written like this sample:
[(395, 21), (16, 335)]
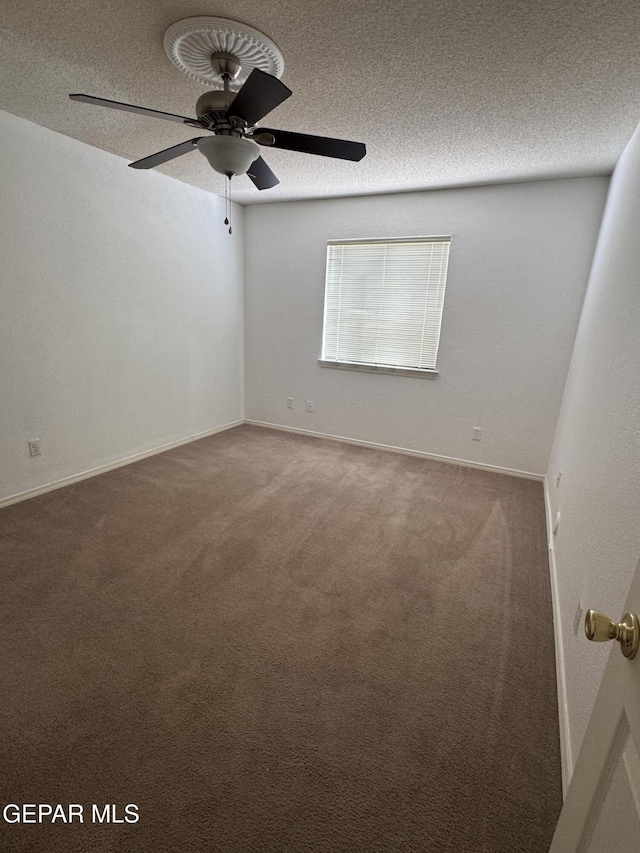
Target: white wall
[(520, 260), (597, 445), (121, 308)]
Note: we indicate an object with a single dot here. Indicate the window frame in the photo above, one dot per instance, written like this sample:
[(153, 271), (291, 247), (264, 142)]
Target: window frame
[(422, 372)]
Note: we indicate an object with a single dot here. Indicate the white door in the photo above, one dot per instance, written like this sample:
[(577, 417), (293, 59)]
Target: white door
[(601, 813)]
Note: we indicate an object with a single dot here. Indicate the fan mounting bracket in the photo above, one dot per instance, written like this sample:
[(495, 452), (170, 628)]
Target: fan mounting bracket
[(225, 65)]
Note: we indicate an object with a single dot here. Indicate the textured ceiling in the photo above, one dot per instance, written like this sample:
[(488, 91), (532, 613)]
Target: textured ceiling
[(443, 92)]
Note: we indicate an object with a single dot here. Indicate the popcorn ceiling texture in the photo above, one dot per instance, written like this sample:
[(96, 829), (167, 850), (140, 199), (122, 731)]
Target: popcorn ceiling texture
[(443, 93)]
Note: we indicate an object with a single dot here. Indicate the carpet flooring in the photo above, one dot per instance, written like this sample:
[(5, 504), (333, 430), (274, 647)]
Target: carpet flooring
[(268, 642)]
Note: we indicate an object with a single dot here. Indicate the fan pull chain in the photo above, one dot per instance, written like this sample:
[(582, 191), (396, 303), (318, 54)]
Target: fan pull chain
[(227, 200)]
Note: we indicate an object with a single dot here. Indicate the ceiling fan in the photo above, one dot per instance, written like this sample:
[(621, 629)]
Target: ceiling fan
[(234, 149)]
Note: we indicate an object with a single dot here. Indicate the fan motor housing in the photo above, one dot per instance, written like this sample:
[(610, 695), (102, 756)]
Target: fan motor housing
[(216, 101)]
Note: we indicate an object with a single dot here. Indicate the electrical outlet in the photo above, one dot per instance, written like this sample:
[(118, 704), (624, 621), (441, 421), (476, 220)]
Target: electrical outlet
[(309, 405), (477, 433), (289, 402), (34, 447)]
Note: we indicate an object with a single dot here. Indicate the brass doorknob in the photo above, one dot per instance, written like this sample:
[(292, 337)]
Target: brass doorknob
[(600, 628)]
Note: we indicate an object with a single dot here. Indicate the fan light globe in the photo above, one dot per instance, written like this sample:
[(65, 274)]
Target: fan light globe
[(229, 155)]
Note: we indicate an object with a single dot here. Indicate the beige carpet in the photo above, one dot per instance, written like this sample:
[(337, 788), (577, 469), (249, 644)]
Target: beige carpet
[(275, 643)]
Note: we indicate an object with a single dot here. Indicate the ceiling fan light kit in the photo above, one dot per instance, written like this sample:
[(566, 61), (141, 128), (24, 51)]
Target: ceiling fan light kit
[(242, 68), (229, 155)]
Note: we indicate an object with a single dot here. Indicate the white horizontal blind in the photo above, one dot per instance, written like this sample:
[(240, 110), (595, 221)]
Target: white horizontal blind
[(383, 302)]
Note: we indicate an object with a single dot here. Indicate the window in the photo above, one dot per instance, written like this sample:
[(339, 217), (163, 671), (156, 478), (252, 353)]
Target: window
[(383, 303)]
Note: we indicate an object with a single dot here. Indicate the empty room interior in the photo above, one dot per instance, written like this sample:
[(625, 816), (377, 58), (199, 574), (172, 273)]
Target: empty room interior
[(320, 444)]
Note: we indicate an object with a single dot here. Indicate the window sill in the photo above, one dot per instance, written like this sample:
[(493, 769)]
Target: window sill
[(373, 368)]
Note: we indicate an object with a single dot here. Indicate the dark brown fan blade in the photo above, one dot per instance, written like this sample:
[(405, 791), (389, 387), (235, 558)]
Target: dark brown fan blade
[(260, 94), (325, 146), (261, 175), (166, 155), (130, 108)]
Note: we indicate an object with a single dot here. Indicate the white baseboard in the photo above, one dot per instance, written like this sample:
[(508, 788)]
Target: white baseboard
[(467, 463), (563, 708), (101, 469)]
